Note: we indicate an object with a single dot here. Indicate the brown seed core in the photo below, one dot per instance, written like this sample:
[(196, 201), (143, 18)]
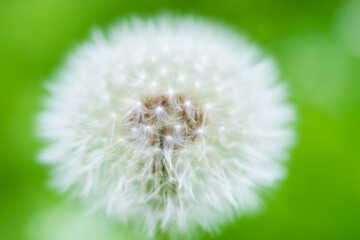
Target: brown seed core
[(167, 120)]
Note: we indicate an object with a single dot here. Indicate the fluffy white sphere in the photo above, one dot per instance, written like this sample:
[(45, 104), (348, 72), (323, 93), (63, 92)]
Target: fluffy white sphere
[(169, 123)]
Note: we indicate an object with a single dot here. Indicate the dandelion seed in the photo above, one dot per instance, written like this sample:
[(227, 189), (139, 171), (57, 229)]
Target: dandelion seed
[(169, 151)]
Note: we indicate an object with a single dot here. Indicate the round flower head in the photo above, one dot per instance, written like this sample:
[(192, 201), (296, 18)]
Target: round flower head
[(170, 123)]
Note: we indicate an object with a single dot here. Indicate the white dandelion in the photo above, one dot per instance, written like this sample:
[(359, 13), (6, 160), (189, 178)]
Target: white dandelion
[(170, 123)]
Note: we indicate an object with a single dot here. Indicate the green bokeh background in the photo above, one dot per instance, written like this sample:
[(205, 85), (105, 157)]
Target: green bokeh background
[(317, 46)]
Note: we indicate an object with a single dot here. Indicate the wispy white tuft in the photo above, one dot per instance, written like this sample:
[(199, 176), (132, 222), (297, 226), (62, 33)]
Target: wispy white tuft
[(169, 123)]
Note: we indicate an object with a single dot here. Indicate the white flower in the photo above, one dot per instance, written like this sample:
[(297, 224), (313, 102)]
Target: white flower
[(168, 123)]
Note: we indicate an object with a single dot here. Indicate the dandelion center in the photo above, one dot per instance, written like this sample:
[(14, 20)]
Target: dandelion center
[(166, 122)]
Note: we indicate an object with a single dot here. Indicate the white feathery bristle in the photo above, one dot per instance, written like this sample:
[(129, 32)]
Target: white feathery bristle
[(170, 123)]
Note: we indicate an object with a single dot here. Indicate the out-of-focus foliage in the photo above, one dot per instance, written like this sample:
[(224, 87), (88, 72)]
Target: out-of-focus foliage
[(317, 46)]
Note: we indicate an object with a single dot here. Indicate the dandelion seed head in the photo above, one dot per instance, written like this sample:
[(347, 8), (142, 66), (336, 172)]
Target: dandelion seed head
[(170, 123)]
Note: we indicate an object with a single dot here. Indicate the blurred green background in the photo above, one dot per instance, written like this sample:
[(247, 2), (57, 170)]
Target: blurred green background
[(317, 46)]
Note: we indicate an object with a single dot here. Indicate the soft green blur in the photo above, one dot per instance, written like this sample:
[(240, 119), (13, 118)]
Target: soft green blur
[(317, 46)]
